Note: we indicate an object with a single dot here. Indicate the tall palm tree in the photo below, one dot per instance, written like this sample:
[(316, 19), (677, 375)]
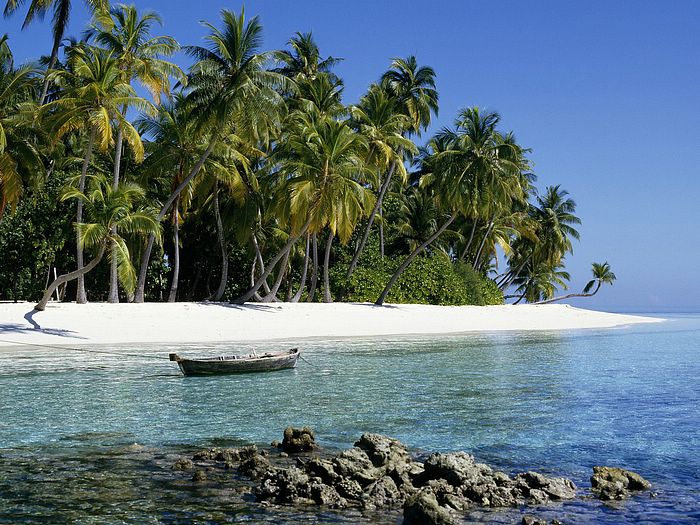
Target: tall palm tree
[(114, 213), (470, 163), (323, 158), (602, 274), (230, 89), (378, 118), (93, 93), (414, 88), (176, 146), (61, 16), (20, 157), (413, 91), (139, 55)]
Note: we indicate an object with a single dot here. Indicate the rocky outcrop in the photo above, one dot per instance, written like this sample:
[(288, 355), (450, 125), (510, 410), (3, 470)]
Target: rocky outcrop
[(612, 483), (379, 473)]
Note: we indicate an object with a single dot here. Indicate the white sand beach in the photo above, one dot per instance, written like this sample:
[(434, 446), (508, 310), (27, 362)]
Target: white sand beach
[(101, 323)]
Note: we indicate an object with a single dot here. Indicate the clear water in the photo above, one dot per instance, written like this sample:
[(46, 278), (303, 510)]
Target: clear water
[(94, 435)]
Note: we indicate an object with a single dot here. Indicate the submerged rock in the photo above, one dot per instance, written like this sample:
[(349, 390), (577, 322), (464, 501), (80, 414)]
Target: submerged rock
[(612, 483)]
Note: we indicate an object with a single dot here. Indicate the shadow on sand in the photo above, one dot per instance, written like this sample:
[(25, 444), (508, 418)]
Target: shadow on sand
[(16, 328)]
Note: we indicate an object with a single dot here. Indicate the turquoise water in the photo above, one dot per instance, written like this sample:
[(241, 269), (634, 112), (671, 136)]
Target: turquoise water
[(554, 402)]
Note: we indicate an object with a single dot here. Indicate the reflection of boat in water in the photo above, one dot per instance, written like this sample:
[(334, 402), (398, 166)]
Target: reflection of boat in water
[(266, 362)]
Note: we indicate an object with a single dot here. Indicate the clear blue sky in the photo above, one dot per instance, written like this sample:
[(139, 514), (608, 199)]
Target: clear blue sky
[(607, 94)]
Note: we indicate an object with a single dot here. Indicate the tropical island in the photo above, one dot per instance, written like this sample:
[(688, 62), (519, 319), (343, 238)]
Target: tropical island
[(248, 178), (220, 196)]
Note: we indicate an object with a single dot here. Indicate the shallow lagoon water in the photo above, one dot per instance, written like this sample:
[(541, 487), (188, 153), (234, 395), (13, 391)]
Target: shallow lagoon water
[(557, 402)]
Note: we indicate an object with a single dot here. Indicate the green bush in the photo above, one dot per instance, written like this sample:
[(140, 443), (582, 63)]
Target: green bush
[(428, 280)]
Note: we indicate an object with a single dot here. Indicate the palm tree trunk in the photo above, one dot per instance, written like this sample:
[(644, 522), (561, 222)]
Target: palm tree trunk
[(569, 296), (483, 243), (409, 259), (113, 277), (272, 296), (304, 271), (145, 258), (326, 270), (271, 264), (41, 305), (381, 235), (314, 271), (261, 262), (222, 242), (52, 63), (172, 297), (510, 276), (253, 266), (81, 295), (520, 298), (361, 246), (463, 255)]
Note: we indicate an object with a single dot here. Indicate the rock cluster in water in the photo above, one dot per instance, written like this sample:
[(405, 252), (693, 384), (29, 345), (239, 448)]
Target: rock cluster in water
[(378, 473), (612, 483)]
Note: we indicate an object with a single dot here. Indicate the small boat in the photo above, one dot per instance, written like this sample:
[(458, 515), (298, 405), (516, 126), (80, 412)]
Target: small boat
[(266, 362)]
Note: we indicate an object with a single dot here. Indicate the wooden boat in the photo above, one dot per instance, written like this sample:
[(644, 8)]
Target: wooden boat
[(266, 362)]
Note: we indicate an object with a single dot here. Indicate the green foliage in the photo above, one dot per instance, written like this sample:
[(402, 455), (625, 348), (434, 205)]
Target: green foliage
[(481, 290), (32, 239), (428, 280)]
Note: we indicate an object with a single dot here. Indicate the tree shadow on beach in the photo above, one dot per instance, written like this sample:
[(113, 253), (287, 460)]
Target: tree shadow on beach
[(270, 308), (21, 329)]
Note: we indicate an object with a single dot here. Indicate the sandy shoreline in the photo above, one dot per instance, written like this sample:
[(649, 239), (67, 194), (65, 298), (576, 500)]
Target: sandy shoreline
[(101, 323)]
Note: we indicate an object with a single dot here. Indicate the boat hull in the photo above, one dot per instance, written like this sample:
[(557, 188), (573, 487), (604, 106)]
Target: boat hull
[(230, 365)]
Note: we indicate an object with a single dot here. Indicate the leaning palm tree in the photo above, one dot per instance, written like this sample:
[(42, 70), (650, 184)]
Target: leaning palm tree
[(230, 91), (114, 214), (602, 274), (20, 157), (61, 16), (93, 93), (139, 56)]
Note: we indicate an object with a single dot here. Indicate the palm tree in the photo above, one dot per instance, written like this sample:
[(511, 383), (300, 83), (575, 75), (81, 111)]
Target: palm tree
[(229, 89), (539, 281), (377, 117), (176, 146), (467, 165), (128, 38), (114, 214), (547, 234), (303, 62), (20, 158), (61, 16), (323, 158), (412, 88), (93, 93), (602, 274)]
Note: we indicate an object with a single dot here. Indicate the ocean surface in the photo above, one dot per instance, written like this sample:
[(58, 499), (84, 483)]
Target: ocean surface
[(91, 437)]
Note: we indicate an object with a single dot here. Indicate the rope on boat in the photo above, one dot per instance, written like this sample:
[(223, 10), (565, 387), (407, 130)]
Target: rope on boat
[(55, 347)]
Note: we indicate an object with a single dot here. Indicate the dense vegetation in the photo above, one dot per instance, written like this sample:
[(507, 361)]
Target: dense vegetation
[(249, 178)]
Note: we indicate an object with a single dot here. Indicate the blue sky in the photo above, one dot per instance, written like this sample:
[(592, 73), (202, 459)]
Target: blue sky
[(607, 94)]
